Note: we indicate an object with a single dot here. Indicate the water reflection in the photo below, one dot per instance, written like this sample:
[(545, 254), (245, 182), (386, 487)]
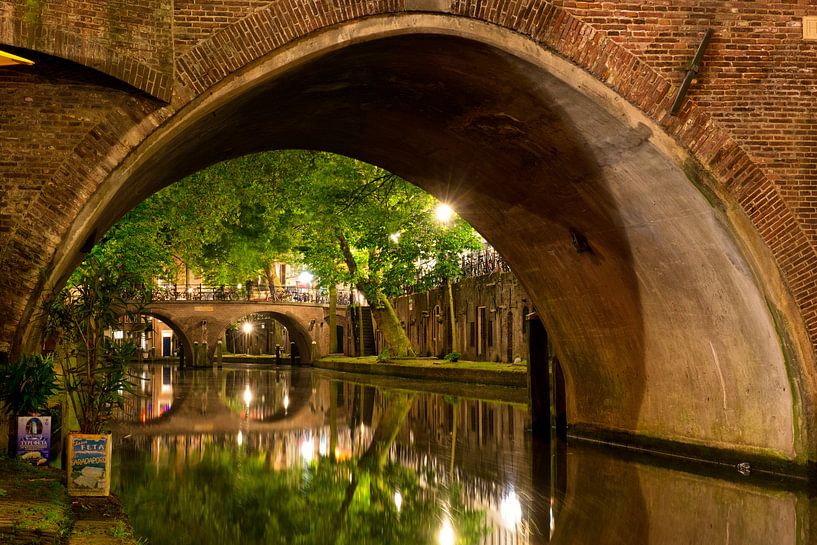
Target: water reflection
[(299, 456)]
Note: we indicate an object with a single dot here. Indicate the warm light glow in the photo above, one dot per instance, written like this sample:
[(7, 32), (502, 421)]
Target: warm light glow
[(240, 438), (247, 395), (511, 510), (444, 212), (119, 335), (286, 401), (308, 450), (238, 285), (395, 237), (305, 277), (7, 59), (446, 534), (398, 500), (247, 327)]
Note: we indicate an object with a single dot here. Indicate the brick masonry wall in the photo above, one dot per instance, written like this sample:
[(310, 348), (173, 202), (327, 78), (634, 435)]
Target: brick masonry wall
[(425, 317), (49, 118), (749, 120), (758, 80), (130, 40)]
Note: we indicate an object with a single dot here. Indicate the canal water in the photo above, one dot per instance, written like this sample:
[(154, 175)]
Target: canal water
[(302, 456)]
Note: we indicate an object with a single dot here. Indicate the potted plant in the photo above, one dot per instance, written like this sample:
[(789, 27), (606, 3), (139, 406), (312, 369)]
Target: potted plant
[(26, 386), (81, 320)]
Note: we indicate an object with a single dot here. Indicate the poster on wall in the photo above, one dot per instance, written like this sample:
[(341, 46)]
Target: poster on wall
[(34, 439), (89, 464)]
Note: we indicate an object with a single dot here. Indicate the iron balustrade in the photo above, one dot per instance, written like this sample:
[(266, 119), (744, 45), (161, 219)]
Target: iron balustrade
[(202, 292), (472, 264)]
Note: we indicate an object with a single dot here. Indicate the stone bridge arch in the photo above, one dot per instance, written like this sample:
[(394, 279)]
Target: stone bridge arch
[(206, 321), (178, 328), (664, 262)]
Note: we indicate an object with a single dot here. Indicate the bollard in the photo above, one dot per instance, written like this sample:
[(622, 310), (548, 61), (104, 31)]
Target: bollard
[(277, 354), (292, 353), (195, 353), (219, 353)]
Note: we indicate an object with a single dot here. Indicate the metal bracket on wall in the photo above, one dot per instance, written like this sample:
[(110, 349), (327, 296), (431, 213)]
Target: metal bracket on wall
[(694, 67)]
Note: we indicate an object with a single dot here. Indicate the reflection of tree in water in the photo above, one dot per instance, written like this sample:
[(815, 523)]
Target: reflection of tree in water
[(227, 497)]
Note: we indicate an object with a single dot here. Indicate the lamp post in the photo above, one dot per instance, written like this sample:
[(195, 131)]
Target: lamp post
[(444, 214), (247, 329)]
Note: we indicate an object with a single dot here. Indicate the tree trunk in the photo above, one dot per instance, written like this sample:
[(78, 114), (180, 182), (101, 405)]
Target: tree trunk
[(333, 320), (452, 316), (273, 282), (383, 313), (389, 324)]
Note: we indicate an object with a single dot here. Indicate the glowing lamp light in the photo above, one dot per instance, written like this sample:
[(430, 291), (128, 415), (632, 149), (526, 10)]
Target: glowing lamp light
[(444, 213), (511, 510), (308, 450), (119, 335), (247, 327), (398, 500), (286, 401), (446, 534), (305, 277), (247, 395), (240, 438)]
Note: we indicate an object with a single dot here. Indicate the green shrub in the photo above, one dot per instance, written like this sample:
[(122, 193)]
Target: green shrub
[(27, 384), (452, 356)]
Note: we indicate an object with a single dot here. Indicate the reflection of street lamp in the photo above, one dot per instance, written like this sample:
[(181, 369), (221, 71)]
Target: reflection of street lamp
[(247, 396), (446, 534), (247, 329), (398, 500), (511, 510)]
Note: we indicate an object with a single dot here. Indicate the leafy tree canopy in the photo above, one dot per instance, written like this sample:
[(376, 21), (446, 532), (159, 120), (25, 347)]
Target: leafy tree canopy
[(348, 221)]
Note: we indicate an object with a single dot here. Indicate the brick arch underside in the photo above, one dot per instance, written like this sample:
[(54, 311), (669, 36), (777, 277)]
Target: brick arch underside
[(297, 331), (682, 377), (178, 328)]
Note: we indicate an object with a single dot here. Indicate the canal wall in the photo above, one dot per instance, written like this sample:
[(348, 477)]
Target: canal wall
[(490, 313)]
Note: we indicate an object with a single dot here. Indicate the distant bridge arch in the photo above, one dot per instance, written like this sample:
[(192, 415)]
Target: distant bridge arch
[(206, 321)]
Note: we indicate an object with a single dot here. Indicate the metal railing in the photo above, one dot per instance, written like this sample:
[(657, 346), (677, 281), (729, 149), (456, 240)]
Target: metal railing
[(202, 292), (472, 264)]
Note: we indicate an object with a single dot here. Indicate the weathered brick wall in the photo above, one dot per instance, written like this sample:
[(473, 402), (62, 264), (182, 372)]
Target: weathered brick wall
[(758, 80), (130, 40), (48, 118), (425, 317), (194, 21)]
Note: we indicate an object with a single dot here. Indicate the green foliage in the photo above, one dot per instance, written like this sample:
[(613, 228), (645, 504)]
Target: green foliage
[(452, 356), (227, 497), (348, 221), (27, 384), (385, 355), (81, 318)]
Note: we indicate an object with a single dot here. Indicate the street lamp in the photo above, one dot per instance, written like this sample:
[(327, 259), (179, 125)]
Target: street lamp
[(443, 212), (247, 329)]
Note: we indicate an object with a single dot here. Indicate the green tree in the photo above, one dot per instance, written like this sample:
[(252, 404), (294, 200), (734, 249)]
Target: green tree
[(80, 319), (348, 221)]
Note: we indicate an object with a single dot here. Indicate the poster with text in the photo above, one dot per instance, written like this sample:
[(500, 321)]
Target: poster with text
[(34, 439), (89, 464)]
